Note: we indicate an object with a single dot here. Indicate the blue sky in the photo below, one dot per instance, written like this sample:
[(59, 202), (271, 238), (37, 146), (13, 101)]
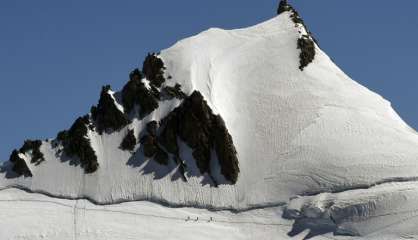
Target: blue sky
[(55, 55)]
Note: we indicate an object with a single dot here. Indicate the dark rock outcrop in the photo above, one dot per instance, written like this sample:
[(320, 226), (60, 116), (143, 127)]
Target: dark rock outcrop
[(174, 92), (155, 92), (76, 144), (129, 141), (136, 93), (283, 7), (150, 145), (106, 115), (225, 150), (33, 147), (153, 69), (161, 157), (195, 124), (307, 54), (152, 128), (168, 134), (19, 165), (307, 42)]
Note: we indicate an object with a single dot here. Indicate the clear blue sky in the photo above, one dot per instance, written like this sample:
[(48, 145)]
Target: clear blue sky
[(55, 55)]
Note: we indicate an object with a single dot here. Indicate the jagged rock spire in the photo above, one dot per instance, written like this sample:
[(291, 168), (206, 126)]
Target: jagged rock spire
[(306, 42), (283, 7)]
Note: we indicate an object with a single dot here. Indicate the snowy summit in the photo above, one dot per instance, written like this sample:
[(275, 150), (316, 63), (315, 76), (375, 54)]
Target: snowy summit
[(255, 130)]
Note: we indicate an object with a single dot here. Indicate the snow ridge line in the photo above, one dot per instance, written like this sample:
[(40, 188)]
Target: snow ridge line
[(156, 201), (362, 186)]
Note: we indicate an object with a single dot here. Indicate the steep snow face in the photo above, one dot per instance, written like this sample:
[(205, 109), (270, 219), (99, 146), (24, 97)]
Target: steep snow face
[(296, 132)]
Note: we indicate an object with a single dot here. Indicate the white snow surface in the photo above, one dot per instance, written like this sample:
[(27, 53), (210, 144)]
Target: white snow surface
[(297, 133), (26, 216)]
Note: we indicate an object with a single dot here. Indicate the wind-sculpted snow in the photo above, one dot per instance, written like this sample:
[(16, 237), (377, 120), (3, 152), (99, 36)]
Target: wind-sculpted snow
[(361, 212)]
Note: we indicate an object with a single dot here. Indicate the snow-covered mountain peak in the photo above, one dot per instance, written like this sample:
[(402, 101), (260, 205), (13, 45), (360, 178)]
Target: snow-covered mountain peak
[(226, 119)]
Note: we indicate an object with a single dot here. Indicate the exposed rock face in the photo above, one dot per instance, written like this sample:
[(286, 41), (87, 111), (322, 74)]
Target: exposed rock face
[(307, 54), (168, 136), (225, 150), (136, 93), (174, 92), (195, 124), (153, 69), (161, 157), (306, 43), (150, 145), (106, 115), (33, 147), (283, 7), (19, 165), (76, 144), (129, 141), (152, 128)]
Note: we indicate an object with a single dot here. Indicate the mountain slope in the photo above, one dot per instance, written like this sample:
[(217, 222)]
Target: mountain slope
[(297, 130)]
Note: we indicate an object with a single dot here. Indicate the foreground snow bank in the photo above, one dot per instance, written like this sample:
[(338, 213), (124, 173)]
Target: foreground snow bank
[(26, 216), (384, 208), (33, 216)]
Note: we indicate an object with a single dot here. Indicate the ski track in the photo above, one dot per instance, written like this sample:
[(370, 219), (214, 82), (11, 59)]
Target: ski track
[(76, 211), (82, 208), (75, 208)]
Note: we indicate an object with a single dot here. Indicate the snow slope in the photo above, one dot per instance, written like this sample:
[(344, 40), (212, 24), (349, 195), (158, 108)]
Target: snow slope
[(298, 134), (295, 131)]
